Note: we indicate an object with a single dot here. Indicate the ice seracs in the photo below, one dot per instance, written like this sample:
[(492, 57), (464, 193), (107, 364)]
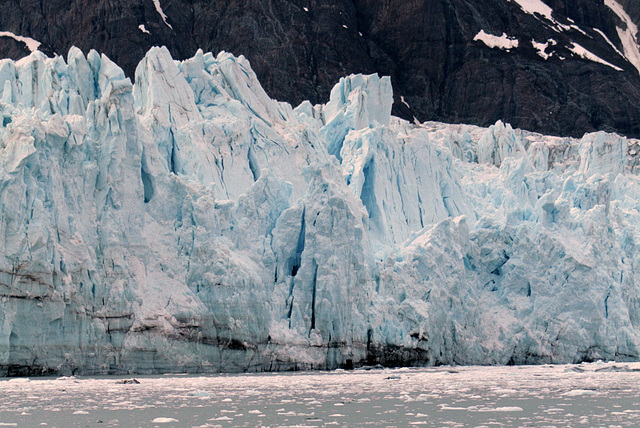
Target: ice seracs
[(191, 223)]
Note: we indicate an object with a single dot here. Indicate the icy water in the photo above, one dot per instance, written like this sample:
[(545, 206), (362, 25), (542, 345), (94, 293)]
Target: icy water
[(599, 394)]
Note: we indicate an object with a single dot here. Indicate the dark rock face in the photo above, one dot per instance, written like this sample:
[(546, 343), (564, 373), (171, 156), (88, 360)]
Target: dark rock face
[(300, 49), (460, 80)]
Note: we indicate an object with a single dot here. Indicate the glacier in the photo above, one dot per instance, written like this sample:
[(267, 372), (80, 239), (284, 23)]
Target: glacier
[(189, 222)]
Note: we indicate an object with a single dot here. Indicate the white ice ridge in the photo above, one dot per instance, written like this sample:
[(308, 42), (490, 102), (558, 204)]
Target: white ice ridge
[(156, 4), (583, 53), (629, 35), (32, 44), (191, 223), (502, 42)]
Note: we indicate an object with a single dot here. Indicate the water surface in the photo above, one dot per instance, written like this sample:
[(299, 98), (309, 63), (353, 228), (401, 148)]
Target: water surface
[(598, 394)]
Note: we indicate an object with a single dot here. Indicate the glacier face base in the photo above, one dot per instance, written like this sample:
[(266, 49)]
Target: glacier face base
[(191, 223)]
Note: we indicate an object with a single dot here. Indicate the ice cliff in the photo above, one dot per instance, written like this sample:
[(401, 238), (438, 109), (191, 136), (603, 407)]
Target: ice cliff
[(191, 223)]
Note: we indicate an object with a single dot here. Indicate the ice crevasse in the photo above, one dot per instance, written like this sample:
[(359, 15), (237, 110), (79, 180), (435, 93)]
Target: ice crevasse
[(191, 223)]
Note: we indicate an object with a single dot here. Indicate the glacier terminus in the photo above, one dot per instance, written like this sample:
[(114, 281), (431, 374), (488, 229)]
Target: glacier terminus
[(189, 222)]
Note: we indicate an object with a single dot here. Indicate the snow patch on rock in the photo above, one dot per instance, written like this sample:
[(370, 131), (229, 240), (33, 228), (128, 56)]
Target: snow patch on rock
[(32, 44), (156, 4), (502, 42), (541, 48), (584, 53), (534, 7), (629, 35)]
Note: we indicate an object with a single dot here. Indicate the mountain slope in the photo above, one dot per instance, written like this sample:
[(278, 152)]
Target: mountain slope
[(299, 49)]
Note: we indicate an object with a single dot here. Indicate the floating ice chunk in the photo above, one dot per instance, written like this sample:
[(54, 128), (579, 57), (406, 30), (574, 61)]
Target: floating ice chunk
[(164, 420), (502, 409), (579, 392), (143, 29), (199, 394), (447, 407)]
